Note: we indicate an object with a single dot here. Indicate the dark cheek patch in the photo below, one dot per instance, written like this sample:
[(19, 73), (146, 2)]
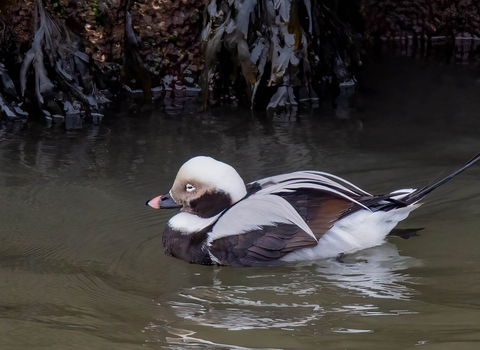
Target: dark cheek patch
[(210, 204)]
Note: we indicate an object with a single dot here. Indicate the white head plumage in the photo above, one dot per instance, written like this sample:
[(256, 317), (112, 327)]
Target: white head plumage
[(217, 174)]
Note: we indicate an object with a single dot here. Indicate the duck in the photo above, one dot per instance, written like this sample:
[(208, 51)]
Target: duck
[(298, 216)]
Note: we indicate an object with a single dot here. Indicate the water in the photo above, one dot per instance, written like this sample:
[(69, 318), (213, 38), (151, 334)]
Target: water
[(81, 259)]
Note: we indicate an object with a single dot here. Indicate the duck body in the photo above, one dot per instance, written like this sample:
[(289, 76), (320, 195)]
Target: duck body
[(303, 215)]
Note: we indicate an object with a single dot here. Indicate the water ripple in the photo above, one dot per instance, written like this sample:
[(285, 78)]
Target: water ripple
[(302, 295)]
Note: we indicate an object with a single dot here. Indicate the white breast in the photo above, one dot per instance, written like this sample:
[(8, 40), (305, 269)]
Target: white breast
[(189, 223)]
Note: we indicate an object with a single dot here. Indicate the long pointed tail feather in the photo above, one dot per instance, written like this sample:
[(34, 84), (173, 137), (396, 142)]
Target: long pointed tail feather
[(422, 192)]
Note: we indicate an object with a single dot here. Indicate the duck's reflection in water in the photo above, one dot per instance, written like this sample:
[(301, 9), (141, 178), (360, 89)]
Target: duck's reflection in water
[(302, 295), (377, 272)]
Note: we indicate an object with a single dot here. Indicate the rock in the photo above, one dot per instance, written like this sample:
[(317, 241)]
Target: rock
[(58, 119), (73, 121), (97, 118)]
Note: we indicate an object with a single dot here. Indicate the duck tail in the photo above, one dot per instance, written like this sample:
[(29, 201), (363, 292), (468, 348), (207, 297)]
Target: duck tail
[(422, 192)]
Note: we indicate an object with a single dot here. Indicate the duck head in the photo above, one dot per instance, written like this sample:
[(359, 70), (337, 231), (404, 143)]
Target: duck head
[(204, 187)]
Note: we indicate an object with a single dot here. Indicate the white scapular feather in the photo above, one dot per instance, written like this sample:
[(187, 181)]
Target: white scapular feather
[(318, 177), (399, 194), (321, 173), (294, 185), (255, 212)]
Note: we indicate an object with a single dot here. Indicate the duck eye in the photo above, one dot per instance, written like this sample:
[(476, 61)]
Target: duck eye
[(189, 188)]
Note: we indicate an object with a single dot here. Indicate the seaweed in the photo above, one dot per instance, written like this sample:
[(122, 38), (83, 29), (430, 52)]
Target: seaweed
[(133, 68), (60, 69), (276, 48), (6, 83), (9, 107)]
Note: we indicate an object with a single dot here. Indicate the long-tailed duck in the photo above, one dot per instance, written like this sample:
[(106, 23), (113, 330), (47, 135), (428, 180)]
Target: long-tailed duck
[(302, 215)]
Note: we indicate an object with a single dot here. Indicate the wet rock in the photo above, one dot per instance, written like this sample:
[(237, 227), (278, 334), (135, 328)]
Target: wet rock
[(97, 118), (73, 121), (11, 110), (58, 119)]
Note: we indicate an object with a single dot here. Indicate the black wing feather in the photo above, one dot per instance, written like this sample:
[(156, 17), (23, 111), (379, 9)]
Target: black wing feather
[(261, 247)]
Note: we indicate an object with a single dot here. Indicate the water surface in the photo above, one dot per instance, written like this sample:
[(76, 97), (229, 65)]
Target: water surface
[(81, 259)]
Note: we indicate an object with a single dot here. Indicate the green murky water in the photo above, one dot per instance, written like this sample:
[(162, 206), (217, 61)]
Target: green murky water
[(81, 259)]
